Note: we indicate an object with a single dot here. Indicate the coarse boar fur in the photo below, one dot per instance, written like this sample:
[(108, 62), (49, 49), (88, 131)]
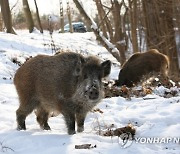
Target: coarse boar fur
[(66, 83), (139, 65)]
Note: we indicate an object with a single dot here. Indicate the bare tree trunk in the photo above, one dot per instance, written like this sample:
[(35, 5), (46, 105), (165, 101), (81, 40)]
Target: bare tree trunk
[(104, 20), (69, 17), (119, 36), (133, 19), (6, 15), (29, 19), (151, 13), (61, 16), (108, 45), (160, 33), (108, 22), (1, 22), (176, 10), (38, 18), (101, 17), (170, 37)]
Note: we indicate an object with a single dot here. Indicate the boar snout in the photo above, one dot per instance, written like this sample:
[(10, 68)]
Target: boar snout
[(92, 90), (93, 93)]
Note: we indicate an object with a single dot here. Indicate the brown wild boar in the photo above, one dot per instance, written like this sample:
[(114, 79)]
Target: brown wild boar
[(142, 64), (66, 83)]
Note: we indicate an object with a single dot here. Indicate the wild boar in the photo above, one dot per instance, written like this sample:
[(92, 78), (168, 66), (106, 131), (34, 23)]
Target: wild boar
[(141, 64), (66, 83)]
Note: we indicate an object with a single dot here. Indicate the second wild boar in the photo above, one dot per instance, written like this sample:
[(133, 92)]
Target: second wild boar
[(141, 64)]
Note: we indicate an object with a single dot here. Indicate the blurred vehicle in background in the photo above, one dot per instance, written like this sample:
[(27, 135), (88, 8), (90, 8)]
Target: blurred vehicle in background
[(77, 27)]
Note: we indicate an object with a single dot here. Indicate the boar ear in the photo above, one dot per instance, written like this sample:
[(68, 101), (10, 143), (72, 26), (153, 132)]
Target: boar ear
[(106, 67)]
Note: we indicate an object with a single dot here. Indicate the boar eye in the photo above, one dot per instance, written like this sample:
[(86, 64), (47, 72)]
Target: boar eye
[(99, 76), (85, 76)]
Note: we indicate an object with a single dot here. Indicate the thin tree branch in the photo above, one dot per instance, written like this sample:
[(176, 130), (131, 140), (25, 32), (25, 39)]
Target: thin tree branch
[(14, 5)]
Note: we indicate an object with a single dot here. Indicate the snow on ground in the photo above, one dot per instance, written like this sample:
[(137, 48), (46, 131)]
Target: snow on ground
[(157, 118)]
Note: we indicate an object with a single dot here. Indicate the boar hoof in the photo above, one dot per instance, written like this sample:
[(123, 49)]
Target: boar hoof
[(71, 132), (46, 128), (21, 127), (80, 129)]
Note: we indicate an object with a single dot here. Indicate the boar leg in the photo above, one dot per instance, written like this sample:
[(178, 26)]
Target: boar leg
[(70, 122), (80, 117), (42, 118), (23, 111), (20, 117)]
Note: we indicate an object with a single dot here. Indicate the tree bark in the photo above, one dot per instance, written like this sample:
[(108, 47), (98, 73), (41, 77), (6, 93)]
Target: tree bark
[(6, 15), (133, 19), (61, 17), (38, 18), (119, 35), (160, 33), (101, 15), (170, 42), (69, 18), (1, 22), (29, 19)]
